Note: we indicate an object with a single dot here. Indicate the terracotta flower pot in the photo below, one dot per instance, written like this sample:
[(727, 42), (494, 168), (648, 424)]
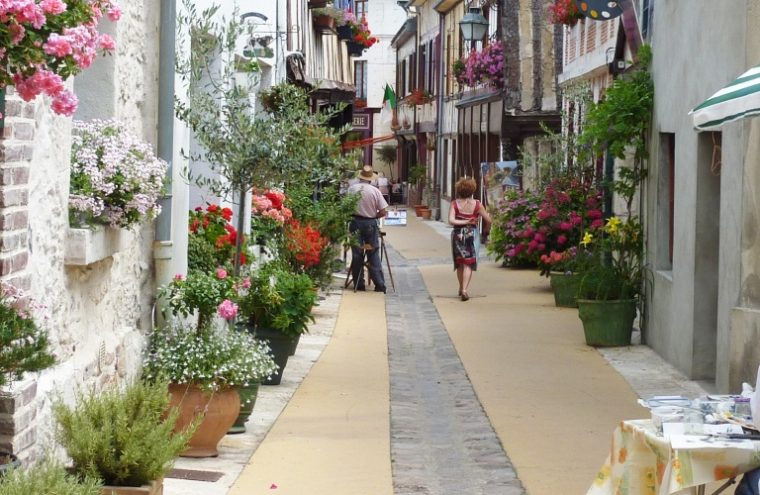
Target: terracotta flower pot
[(219, 409), (324, 23), (426, 214), (418, 209)]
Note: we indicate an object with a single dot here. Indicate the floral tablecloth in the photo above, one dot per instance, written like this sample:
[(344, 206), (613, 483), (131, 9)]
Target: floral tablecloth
[(640, 462)]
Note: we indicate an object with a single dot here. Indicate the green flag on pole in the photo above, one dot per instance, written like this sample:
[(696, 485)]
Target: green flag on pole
[(389, 105)]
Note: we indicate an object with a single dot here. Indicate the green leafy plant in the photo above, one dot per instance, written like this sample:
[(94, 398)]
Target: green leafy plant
[(47, 477), (23, 346), (614, 268), (124, 437), (279, 300), (337, 14), (213, 359), (622, 118), (327, 211), (201, 293), (387, 154), (416, 173)]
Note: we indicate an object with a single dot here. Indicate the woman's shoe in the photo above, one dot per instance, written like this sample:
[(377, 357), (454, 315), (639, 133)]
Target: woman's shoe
[(465, 296)]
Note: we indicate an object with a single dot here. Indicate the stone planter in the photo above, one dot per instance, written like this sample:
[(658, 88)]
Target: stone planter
[(607, 323), (219, 410), (565, 287), (89, 245), (153, 488)]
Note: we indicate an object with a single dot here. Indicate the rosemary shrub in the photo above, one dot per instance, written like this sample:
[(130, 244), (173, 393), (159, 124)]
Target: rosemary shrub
[(125, 437)]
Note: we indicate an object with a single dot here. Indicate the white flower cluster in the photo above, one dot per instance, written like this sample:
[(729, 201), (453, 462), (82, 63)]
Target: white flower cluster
[(213, 359), (115, 177)]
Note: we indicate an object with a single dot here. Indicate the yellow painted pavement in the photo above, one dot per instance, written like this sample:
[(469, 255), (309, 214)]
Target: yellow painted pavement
[(334, 435)]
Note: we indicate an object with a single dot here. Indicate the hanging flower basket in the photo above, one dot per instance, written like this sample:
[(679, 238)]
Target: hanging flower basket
[(324, 23), (355, 49), (344, 33), (564, 12)]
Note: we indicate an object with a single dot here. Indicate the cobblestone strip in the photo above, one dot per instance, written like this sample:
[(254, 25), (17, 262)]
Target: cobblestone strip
[(442, 442)]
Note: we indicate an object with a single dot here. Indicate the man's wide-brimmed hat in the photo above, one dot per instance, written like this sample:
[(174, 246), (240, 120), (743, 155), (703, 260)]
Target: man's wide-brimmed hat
[(367, 173)]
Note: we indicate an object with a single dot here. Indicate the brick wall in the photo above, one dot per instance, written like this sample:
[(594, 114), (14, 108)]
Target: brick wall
[(18, 405)]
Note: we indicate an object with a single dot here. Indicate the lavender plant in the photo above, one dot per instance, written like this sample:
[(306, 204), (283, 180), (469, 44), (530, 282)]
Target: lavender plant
[(115, 177)]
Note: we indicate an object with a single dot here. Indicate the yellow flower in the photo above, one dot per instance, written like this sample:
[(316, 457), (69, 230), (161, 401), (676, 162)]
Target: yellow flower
[(587, 238), (612, 225)]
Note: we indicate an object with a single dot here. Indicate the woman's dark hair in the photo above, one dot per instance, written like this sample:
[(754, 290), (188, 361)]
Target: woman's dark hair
[(465, 187)]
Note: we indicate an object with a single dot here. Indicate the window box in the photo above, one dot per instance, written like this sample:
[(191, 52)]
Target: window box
[(87, 246)]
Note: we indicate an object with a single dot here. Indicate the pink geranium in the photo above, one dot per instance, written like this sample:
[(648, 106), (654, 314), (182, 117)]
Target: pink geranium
[(44, 42)]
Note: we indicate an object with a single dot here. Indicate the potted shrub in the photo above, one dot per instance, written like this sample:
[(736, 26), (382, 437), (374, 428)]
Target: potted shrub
[(115, 177), (205, 364), (123, 437), (205, 370), (564, 270), (277, 309), (611, 283), (47, 477)]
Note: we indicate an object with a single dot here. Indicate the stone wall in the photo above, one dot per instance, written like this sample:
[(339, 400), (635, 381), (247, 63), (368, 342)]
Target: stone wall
[(97, 314)]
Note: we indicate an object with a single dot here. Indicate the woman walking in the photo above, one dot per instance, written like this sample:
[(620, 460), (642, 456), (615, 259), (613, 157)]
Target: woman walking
[(465, 239)]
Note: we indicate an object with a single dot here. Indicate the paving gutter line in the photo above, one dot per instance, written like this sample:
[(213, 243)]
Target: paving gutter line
[(236, 450)]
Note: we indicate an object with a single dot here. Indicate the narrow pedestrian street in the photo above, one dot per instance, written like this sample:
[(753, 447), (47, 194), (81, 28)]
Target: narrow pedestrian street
[(419, 392)]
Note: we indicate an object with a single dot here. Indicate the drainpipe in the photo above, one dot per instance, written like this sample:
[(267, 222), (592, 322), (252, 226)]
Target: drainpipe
[(439, 110), (163, 245)]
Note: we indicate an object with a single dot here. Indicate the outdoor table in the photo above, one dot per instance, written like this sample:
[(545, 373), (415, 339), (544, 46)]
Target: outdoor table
[(641, 462)]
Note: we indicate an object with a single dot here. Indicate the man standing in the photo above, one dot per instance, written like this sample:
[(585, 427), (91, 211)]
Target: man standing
[(369, 209)]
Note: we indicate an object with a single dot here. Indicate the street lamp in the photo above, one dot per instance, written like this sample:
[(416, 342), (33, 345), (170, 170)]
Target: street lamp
[(473, 25)]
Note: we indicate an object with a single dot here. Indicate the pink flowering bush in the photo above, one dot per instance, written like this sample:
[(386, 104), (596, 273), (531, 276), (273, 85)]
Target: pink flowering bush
[(268, 216), (115, 177), (483, 67), (527, 226), (42, 42), (202, 294)]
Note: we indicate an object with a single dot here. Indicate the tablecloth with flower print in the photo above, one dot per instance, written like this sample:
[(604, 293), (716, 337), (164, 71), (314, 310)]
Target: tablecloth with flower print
[(641, 462)]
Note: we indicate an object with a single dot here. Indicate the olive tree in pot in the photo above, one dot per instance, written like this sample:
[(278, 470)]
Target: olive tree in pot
[(123, 437)]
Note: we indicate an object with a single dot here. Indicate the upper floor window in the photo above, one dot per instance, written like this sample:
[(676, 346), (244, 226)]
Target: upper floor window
[(361, 8), (360, 78)]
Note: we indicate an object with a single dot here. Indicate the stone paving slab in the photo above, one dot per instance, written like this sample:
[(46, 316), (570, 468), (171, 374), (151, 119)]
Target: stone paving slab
[(442, 442)]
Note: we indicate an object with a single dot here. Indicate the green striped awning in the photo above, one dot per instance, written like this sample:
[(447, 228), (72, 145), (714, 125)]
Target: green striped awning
[(739, 99)]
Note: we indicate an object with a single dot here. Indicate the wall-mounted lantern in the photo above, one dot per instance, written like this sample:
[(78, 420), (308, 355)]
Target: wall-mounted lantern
[(473, 25)]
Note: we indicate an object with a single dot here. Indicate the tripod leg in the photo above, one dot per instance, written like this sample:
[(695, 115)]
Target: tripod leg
[(388, 264)]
